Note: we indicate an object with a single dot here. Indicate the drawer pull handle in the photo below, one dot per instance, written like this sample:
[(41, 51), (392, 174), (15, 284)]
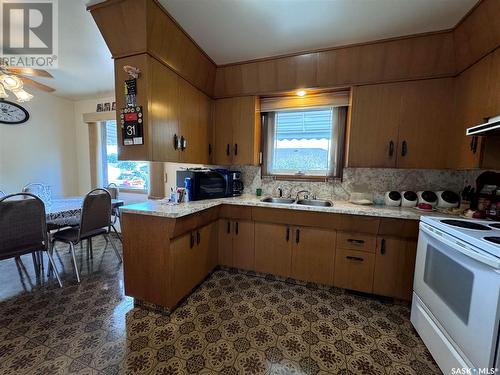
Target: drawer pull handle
[(191, 241), (356, 242), (297, 236), (382, 247), (228, 149), (228, 227), (357, 259), (237, 228), (235, 149), (287, 234)]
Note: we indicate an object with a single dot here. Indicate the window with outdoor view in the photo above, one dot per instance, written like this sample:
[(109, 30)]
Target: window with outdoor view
[(125, 174), (303, 142)]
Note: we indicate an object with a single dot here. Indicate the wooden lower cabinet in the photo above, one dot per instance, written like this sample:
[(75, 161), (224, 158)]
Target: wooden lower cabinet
[(354, 270), (236, 243), (313, 254), (194, 256), (394, 267), (273, 252)]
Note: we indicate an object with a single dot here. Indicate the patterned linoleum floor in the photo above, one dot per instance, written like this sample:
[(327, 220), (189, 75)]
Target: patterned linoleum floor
[(232, 324)]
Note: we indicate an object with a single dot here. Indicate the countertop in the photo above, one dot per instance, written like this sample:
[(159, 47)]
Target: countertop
[(160, 208)]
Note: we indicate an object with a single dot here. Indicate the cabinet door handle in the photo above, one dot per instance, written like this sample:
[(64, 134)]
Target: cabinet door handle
[(287, 234), (382, 246), (473, 144), (297, 236), (209, 149), (237, 227), (357, 259), (228, 149), (404, 148), (198, 237), (228, 227), (176, 142), (391, 149), (183, 143), (191, 240), (235, 149), (355, 241)]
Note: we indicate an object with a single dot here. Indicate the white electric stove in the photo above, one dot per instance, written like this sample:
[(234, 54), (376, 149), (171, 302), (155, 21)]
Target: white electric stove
[(456, 292)]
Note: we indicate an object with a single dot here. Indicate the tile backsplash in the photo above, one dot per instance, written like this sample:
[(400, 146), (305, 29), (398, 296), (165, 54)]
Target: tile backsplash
[(374, 180)]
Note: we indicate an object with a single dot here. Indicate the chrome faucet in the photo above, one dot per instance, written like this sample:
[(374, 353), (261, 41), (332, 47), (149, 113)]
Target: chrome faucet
[(306, 194)]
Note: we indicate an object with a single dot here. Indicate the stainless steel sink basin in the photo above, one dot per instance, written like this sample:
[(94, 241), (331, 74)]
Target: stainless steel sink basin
[(315, 202), (278, 200)]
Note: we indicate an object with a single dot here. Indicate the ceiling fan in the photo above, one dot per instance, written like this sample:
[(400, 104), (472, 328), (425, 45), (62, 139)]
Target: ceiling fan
[(13, 79)]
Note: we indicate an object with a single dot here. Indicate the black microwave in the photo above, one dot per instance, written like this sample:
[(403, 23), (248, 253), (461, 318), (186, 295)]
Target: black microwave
[(211, 183)]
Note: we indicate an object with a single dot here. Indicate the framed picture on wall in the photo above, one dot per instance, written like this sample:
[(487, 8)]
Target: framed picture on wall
[(113, 106), (99, 107), (107, 107)]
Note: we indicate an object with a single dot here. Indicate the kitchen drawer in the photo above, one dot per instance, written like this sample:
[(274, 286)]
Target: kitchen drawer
[(354, 270), (356, 241)]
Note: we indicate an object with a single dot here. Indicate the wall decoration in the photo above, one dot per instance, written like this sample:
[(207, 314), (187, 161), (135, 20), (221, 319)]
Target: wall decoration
[(131, 124), (130, 86), (99, 108), (12, 113), (113, 106), (107, 107)]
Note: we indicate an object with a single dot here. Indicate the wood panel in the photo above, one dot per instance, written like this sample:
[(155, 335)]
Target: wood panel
[(273, 251), (243, 245), (146, 261), (236, 212), (164, 116), (398, 228), (375, 120), (246, 132), (478, 34), (155, 32), (358, 224), (292, 217), (394, 267), (186, 266), (356, 241), (354, 270), (427, 111), (494, 87), (414, 57), (225, 114), (225, 242), (190, 222), (313, 255), (134, 152)]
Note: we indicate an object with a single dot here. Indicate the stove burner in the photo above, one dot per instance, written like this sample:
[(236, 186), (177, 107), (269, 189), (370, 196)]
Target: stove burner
[(496, 226), (495, 240), (465, 224)]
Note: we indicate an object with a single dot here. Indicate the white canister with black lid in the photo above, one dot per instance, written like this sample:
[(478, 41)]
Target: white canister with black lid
[(392, 198), (409, 199), (428, 197)]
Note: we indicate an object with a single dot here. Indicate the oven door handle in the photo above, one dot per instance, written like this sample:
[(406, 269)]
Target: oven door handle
[(460, 246)]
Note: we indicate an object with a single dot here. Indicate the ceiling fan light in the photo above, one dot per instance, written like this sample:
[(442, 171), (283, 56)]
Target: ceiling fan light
[(3, 94), (11, 82), (22, 96)]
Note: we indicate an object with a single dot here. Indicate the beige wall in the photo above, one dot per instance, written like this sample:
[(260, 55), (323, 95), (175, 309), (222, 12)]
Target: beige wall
[(42, 149)]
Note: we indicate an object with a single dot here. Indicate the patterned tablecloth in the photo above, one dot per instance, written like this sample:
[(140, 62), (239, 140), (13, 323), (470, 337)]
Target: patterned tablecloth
[(66, 211)]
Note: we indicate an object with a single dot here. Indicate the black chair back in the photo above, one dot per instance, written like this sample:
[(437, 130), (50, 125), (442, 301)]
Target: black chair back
[(23, 227), (96, 212)]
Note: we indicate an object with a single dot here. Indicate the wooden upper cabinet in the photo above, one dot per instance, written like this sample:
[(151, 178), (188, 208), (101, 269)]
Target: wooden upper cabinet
[(237, 131), (403, 125), (375, 120), (426, 123)]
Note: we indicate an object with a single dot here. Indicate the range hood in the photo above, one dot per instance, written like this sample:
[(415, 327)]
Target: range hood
[(491, 127)]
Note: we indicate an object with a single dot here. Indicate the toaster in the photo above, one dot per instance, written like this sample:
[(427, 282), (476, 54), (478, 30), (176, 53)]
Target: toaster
[(392, 198), (448, 199), (409, 199), (428, 197)]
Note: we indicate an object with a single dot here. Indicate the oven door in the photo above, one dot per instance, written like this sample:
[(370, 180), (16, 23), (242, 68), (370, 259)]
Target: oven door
[(460, 287)]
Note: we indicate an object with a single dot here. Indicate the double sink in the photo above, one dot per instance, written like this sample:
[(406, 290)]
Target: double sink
[(303, 202)]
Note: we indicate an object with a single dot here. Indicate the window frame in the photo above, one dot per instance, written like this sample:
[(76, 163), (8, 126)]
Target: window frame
[(104, 160), (336, 151)]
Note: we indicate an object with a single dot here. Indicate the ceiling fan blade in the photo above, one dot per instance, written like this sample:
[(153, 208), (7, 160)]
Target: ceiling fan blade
[(29, 72), (37, 85)]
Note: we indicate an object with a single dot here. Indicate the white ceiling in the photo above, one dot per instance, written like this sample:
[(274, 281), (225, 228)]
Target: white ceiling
[(85, 68), (238, 30)]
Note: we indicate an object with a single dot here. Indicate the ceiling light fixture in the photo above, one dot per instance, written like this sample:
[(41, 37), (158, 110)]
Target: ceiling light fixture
[(301, 93), (15, 85)]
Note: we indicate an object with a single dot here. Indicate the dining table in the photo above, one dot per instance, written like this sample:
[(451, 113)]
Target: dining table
[(66, 211)]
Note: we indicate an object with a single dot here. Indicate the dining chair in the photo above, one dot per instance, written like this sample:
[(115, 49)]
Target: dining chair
[(115, 213), (95, 220), (23, 228)]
